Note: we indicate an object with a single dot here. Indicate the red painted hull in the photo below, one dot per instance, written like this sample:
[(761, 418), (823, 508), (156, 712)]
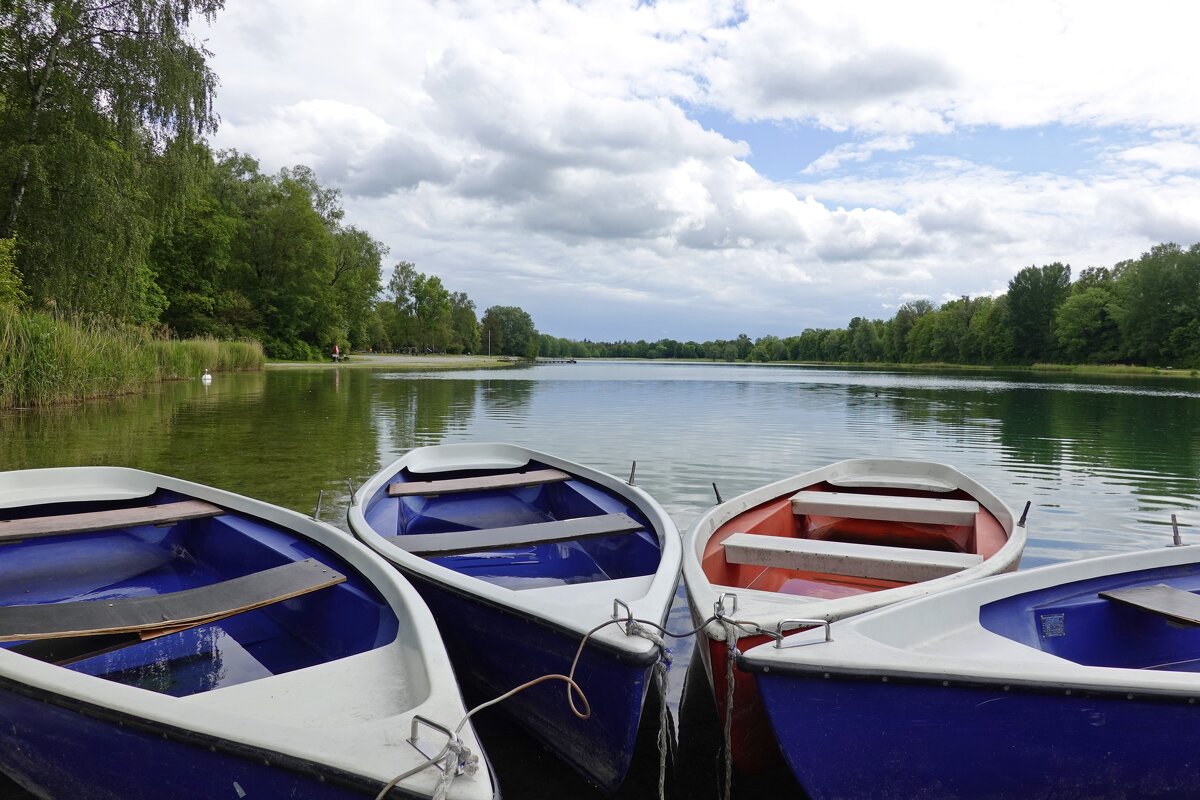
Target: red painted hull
[(752, 742)]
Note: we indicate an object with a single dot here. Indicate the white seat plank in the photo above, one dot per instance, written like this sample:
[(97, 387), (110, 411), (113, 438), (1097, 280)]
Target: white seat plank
[(478, 483), (921, 510), (473, 541), (902, 564)]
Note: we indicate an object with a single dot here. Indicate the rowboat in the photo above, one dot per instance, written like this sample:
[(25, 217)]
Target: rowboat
[(520, 555), (828, 544), (159, 638), (1077, 680)]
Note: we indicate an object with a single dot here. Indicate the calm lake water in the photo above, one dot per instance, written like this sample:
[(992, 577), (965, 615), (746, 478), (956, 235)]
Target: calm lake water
[(1105, 462)]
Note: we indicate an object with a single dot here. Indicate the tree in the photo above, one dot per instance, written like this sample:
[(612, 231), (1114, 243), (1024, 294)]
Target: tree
[(1086, 327), (1034, 295), (431, 303), (1159, 298), (510, 331), (131, 62), (896, 347), (356, 264), (464, 323)]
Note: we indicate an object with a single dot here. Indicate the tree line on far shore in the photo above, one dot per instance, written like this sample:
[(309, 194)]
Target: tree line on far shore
[(1143, 311)]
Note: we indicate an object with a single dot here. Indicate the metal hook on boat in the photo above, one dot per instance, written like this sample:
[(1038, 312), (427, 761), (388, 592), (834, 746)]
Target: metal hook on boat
[(1024, 514), (320, 496), (719, 606), (629, 621), (717, 492), (782, 622), (632, 470), (1175, 531)]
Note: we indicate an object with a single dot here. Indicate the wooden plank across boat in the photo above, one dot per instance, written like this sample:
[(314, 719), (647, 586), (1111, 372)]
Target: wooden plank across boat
[(111, 519)]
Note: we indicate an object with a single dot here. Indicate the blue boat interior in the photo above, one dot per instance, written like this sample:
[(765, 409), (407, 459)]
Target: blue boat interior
[(139, 561), (528, 565), (1074, 622)]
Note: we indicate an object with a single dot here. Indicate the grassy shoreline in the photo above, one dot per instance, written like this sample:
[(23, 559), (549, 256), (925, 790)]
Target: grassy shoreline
[(398, 362), (46, 359)]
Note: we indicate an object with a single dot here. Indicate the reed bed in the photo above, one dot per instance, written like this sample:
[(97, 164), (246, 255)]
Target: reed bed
[(46, 358)]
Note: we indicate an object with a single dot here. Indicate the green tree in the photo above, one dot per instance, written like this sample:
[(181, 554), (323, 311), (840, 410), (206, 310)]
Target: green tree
[(1159, 298), (96, 95), (1086, 327), (1034, 295), (509, 331), (464, 323), (357, 260)]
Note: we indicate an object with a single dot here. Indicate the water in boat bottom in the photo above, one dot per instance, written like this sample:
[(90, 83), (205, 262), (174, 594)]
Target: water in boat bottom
[(695, 762)]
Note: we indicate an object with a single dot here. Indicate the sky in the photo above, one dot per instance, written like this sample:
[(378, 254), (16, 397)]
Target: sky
[(700, 169)]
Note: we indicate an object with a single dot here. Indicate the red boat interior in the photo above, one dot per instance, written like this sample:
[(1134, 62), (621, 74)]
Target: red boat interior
[(787, 566)]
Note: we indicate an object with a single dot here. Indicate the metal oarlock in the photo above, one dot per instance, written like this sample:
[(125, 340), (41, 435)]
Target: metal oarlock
[(719, 607), (1024, 514), (632, 472), (813, 622), (320, 496)]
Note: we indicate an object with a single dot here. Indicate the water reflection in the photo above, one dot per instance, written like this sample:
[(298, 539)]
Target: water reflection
[(1105, 462)]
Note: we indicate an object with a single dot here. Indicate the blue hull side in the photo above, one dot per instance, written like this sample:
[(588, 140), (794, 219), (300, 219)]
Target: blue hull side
[(57, 748), (866, 738), (495, 649)]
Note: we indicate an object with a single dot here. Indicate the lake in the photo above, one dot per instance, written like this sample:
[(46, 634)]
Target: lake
[(1104, 461)]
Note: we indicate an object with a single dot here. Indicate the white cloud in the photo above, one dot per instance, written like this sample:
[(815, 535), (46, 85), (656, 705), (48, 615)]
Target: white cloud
[(547, 155)]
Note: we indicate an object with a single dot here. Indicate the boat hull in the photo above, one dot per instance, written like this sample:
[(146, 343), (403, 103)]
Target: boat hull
[(878, 738), (57, 747), (495, 649)]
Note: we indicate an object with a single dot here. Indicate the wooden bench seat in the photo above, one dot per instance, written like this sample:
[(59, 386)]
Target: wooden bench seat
[(889, 508), (1176, 605), (112, 519), (507, 480), (166, 613), (563, 530), (902, 564)]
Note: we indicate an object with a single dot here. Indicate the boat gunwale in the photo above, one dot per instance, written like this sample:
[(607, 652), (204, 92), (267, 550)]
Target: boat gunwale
[(770, 608), (855, 653), (654, 603)]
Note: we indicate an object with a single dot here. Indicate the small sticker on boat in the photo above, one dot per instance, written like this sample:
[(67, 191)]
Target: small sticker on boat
[(1054, 625)]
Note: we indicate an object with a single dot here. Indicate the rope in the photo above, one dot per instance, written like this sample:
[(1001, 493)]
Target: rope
[(455, 757), (731, 642)]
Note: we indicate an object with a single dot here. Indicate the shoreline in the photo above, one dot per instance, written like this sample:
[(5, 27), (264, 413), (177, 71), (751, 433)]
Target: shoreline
[(396, 361)]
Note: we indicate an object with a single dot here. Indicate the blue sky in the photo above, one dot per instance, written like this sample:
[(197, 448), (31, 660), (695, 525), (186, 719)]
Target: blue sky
[(698, 169)]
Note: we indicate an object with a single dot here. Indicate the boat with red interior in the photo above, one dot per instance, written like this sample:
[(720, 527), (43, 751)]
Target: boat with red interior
[(828, 544)]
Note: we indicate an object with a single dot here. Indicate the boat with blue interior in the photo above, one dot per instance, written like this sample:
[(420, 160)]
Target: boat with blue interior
[(159, 638), (1071, 681), (521, 555)]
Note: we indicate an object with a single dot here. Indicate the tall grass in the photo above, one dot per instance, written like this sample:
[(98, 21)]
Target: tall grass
[(46, 359)]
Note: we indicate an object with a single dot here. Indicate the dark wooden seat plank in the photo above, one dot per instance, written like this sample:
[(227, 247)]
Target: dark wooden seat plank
[(479, 483), (563, 530), (1167, 601), (166, 612), (62, 524)]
